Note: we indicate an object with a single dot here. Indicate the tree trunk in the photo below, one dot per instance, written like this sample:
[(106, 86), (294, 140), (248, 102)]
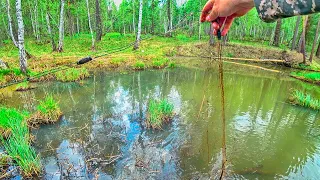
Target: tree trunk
[(303, 39), (136, 45), (318, 51), (61, 27), (107, 14), (98, 22), (54, 47), (152, 16), (36, 21), (22, 53), (276, 40), (314, 42), (10, 25), (89, 21), (295, 33), (133, 18), (169, 18)]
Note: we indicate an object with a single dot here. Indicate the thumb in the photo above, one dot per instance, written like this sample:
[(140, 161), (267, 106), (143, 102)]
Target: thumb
[(213, 14)]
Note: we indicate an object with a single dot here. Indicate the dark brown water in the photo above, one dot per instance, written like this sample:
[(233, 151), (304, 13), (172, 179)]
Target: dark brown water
[(102, 133)]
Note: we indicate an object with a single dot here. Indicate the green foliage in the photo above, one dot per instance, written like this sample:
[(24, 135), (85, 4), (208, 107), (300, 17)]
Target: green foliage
[(18, 144), (311, 76), (117, 61), (49, 108), (139, 65), (305, 100), (172, 65), (160, 63), (158, 113), (72, 74), (22, 86)]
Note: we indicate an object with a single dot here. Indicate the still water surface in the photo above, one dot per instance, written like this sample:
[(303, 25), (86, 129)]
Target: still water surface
[(102, 133)]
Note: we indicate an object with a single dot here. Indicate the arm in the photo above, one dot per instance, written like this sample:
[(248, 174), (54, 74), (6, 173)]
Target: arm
[(271, 10)]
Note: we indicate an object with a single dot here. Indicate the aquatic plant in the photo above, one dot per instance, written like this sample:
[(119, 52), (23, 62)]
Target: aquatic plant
[(160, 63), (305, 100), (48, 111), (139, 65), (72, 74), (158, 112), (310, 76), (17, 145)]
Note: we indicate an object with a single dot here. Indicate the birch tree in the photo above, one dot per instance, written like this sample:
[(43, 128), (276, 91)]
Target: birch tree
[(10, 25), (22, 53), (98, 22), (54, 47), (136, 45), (61, 27), (89, 21), (294, 40)]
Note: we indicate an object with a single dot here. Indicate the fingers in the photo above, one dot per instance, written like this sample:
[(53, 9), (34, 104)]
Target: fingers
[(227, 26), (206, 9), (213, 14)]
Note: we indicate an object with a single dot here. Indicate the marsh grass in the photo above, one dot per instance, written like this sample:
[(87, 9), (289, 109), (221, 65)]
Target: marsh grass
[(158, 113), (72, 74), (48, 111), (17, 145), (160, 63), (139, 65), (24, 86), (309, 76), (305, 100)]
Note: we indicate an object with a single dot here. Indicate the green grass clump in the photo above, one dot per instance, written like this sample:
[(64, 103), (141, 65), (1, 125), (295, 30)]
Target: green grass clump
[(24, 86), (172, 65), (160, 63), (72, 74), (308, 76), (18, 143), (48, 111), (305, 100), (139, 65), (158, 113)]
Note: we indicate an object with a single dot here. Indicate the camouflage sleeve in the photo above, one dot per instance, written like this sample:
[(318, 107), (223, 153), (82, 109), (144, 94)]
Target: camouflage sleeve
[(271, 10)]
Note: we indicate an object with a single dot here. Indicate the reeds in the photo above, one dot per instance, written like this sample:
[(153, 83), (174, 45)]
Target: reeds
[(159, 112), (17, 145), (72, 74), (305, 100)]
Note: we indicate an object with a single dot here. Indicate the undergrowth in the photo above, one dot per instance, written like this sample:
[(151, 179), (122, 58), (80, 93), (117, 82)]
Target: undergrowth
[(17, 145), (305, 100), (311, 76), (139, 65), (159, 112), (72, 74)]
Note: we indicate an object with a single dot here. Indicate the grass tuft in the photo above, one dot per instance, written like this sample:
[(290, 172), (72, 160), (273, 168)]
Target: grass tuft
[(159, 112), (48, 111), (139, 65), (72, 74), (305, 100), (18, 143)]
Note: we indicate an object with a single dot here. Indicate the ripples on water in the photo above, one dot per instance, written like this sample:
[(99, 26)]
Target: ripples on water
[(102, 133)]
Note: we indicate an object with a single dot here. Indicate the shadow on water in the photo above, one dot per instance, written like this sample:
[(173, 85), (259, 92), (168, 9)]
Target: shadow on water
[(102, 134)]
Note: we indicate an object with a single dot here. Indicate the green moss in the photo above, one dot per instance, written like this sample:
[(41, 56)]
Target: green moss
[(139, 65), (72, 74), (158, 113), (305, 100)]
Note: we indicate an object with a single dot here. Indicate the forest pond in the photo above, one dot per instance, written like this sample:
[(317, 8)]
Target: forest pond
[(102, 133)]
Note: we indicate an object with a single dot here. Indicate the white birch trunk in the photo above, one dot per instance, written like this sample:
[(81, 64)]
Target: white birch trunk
[(22, 53), (61, 27), (136, 45), (54, 48), (133, 18), (89, 21), (10, 25)]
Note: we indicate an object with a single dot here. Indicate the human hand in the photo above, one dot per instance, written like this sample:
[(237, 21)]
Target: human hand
[(219, 12)]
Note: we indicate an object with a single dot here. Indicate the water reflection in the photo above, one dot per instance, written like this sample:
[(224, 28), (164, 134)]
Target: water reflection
[(103, 135)]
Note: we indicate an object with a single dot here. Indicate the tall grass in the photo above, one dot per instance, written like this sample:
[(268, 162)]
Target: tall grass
[(72, 74), (159, 112), (305, 100), (311, 76), (18, 144)]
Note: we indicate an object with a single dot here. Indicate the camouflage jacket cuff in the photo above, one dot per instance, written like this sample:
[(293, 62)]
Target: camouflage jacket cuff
[(271, 10)]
